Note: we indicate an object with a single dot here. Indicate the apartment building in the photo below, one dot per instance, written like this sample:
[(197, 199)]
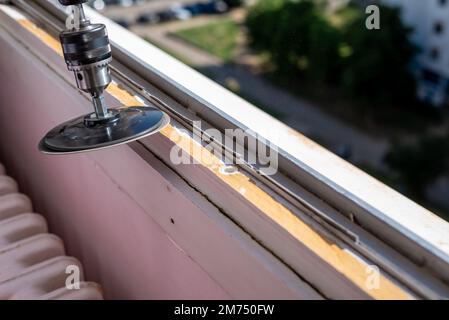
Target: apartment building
[(429, 19)]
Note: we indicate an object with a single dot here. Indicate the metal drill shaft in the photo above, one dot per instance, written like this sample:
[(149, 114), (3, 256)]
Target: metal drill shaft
[(100, 107), (83, 20)]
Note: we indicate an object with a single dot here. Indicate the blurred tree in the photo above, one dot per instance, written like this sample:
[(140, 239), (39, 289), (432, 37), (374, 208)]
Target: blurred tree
[(419, 164), (378, 66), (297, 37), (302, 39)]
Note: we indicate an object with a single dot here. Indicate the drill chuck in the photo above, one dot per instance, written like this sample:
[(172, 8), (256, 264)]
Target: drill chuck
[(87, 52), (85, 46)]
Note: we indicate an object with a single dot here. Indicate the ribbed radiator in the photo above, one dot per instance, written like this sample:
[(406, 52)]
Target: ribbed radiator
[(33, 264)]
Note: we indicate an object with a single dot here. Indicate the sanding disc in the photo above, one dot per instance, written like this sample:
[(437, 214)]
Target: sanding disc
[(82, 134)]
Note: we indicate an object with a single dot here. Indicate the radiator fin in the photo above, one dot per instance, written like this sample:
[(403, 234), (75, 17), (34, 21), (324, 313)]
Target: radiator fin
[(33, 263)]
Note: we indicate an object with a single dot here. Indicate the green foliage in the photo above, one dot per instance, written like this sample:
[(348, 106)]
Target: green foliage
[(419, 164), (344, 17), (378, 67), (303, 40), (297, 37), (218, 38), (324, 52)]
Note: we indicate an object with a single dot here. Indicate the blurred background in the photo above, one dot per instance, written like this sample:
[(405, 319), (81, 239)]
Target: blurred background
[(377, 98)]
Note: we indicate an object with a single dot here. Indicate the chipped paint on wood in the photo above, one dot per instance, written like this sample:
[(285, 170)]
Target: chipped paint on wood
[(41, 34)]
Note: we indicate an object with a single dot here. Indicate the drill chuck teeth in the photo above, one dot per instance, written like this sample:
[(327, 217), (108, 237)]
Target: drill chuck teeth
[(94, 65)]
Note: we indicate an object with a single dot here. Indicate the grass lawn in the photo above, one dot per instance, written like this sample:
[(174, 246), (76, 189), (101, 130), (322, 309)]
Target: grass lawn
[(218, 38)]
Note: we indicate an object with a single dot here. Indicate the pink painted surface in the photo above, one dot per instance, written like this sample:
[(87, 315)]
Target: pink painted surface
[(119, 244)]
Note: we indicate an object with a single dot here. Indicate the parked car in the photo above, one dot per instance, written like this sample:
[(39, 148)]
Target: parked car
[(214, 7), (123, 3), (165, 16), (148, 18), (180, 12), (234, 3), (124, 23), (194, 8), (208, 7), (126, 3)]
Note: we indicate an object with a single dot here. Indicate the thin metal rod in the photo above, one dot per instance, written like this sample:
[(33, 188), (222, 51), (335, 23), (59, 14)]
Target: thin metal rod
[(83, 19), (100, 107)]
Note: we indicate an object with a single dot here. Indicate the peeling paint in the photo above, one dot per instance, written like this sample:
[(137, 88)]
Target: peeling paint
[(227, 170)]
